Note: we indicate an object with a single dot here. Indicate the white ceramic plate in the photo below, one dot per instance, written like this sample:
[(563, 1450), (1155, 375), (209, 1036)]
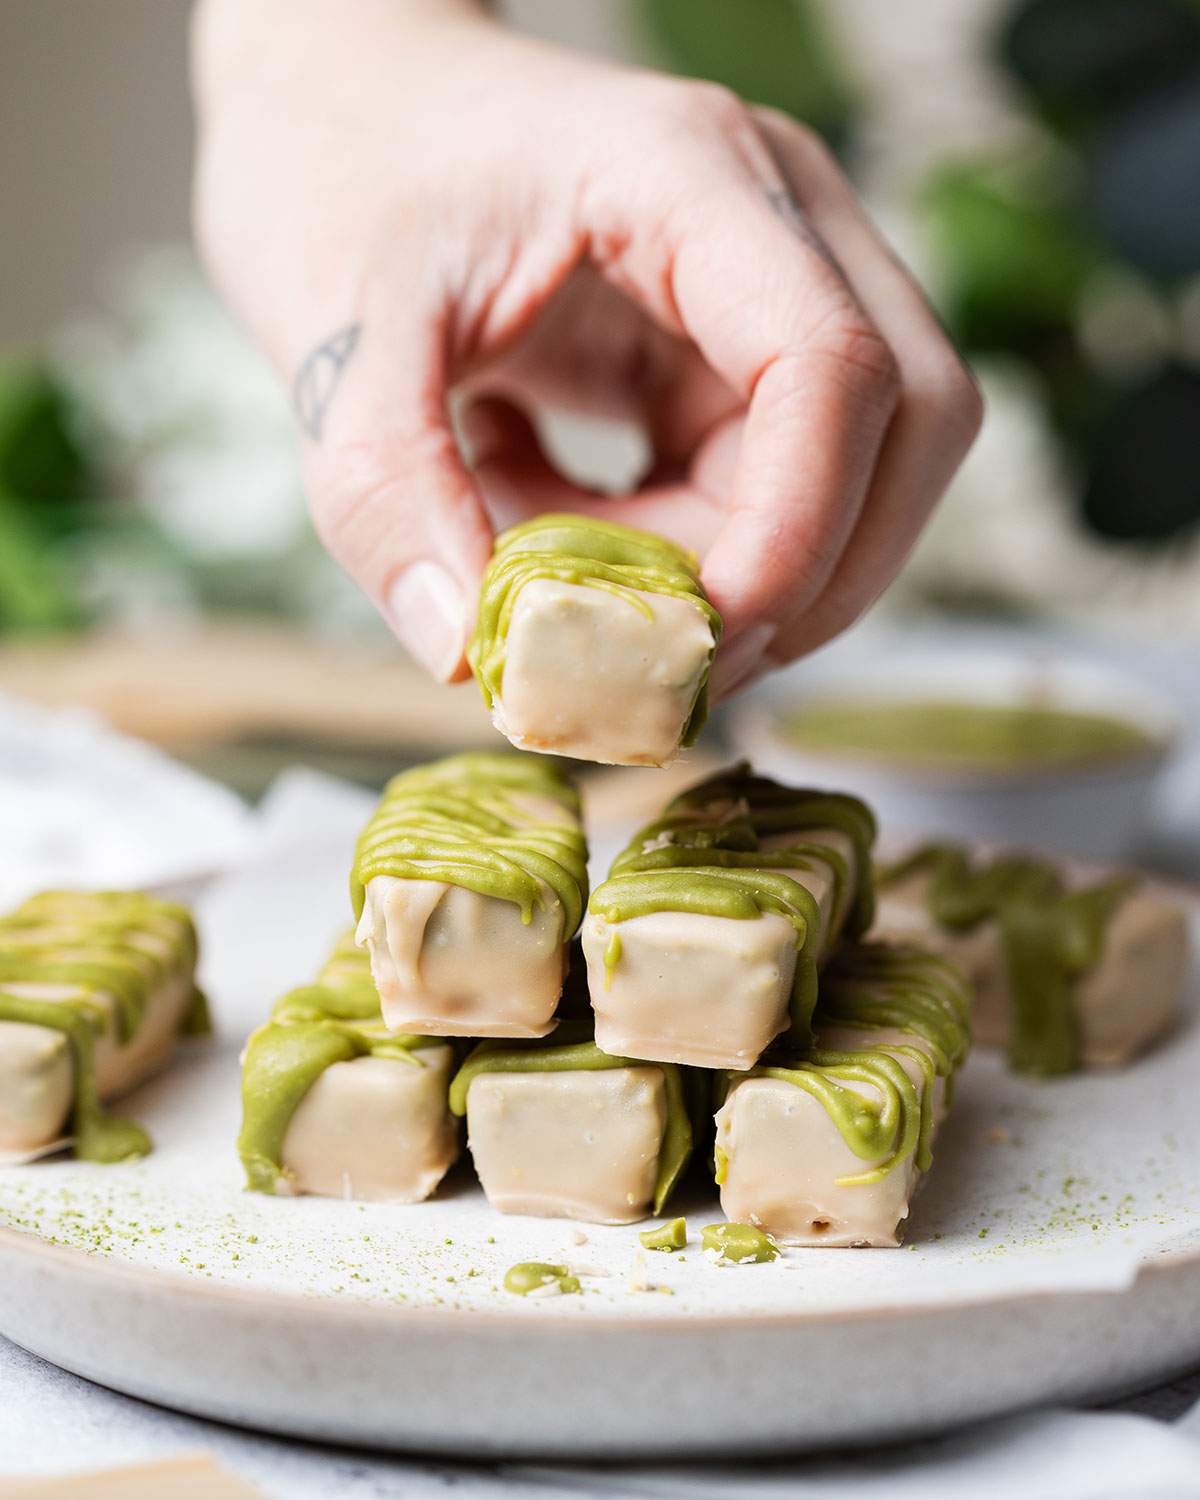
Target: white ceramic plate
[(1054, 1255)]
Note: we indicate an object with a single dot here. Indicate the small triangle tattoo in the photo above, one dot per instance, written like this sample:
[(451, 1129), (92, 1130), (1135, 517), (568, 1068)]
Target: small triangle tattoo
[(318, 378)]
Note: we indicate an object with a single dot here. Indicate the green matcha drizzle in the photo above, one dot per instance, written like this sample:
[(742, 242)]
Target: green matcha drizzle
[(1050, 936), (556, 1056), (460, 820), (976, 736), (870, 987), (598, 554), (311, 1028), (738, 1244), (670, 1236), (530, 1277), (116, 944), (705, 855)]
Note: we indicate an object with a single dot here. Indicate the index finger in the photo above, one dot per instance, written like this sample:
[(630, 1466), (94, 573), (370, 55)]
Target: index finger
[(775, 319)]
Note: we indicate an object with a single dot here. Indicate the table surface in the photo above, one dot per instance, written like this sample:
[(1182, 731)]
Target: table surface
[(54, 1422)]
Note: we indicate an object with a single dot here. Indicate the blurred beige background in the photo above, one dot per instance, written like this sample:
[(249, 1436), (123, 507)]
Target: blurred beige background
[(96, 137)]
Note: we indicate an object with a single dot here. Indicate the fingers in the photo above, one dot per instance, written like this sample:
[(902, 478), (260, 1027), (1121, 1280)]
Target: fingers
[(594, 351), (513, 474), (776, 320), (938, 408), (391, 498), (518, 482)]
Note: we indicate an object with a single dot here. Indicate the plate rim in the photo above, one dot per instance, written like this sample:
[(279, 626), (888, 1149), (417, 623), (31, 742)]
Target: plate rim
[(1170, 1259)]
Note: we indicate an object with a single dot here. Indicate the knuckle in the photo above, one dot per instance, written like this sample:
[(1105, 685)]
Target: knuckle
[(863, 360), (951, 392), (356, 493), (818, 152), (965, 405), (379, 502), (692, 107), (717, 106), (806, 149)]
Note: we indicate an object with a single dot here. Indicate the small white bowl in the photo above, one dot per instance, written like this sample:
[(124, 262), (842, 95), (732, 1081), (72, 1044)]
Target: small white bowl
[(1097, 811)]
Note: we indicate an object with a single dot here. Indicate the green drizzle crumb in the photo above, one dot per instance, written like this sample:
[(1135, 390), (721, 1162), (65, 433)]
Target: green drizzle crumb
[(669, 1236), (534, 1276), (738, 1244)]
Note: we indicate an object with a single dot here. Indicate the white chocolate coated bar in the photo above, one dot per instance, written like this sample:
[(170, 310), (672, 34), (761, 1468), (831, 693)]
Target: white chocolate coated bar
[(571, 1145), (83, 951), (374, 1128), (591, 676), (705, 990), (1123, 1003), (594, 640), (469, 883), (829, 1148)]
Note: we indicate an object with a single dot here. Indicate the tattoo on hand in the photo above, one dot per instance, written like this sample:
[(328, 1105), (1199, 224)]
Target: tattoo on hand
[(319, 376), (794, 217)]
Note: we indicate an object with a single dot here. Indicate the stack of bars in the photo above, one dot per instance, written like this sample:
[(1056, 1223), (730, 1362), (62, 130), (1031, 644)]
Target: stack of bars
[(721, 1005)]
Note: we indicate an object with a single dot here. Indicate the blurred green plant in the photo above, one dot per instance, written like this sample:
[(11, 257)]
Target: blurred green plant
[(1015, 257), (1078, 259), (773, 52), (44, 475)]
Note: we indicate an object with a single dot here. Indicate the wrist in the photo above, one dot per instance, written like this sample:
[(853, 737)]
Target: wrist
[(242, 40)]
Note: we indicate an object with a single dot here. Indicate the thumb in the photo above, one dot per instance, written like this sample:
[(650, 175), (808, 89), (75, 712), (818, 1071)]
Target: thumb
[(390, 496)]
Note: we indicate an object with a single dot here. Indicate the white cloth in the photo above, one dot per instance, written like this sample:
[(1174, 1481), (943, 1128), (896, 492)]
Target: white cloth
[(83, 806)]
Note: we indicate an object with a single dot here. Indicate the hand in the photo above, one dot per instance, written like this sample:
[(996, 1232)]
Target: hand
[(404, 200)]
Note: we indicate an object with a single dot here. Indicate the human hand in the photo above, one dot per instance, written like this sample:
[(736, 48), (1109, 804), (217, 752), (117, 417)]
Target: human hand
[(404, 200)]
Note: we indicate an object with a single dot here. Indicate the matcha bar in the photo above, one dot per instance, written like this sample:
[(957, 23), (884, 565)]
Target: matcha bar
[(561, 1129), (827, 1146), (1070, 969), (468, 884), (594, 641), (703, 944), (333, 1104), (95, 989)]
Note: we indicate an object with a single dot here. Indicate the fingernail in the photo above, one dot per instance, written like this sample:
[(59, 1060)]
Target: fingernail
[(428, 613), (740, 659)]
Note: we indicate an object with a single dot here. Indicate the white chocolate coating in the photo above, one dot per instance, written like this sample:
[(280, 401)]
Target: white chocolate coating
[(1125, 1002), (37, 1070), (784, 1156), (711, 992), (450, 962), (375, 1128), (586, 674), (707, 991), (36, 1076), (572, 1145)]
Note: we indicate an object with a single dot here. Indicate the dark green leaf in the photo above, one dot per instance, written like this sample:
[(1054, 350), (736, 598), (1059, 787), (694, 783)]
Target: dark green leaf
[(1143, 483), (1084, 61), (42, 464), (32, 595)]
